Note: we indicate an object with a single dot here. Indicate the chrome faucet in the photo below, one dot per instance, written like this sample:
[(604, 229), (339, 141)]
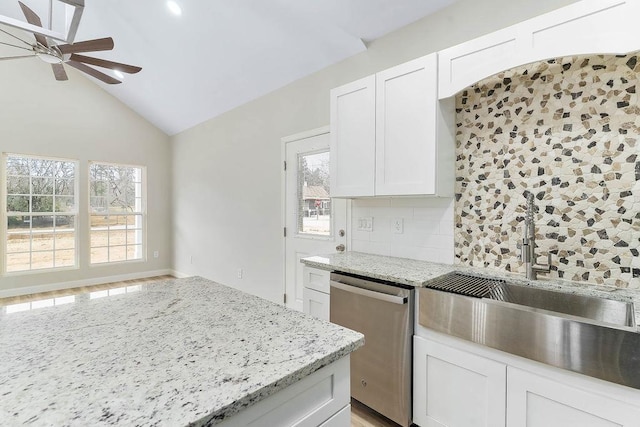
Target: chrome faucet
[(528, 246)]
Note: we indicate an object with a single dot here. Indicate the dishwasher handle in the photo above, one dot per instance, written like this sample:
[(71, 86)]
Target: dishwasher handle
[(371, 294)]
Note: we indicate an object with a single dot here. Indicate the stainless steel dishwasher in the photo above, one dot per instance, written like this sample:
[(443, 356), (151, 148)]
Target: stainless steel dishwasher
[(381, 369)]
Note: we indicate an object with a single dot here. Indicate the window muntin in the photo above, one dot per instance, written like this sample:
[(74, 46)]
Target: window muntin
[(116, 213), (40, 214)]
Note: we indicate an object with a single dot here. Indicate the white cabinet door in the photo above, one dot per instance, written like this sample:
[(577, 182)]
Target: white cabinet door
[(453, 388), (406, 106), (316, 303), (536, 401), (353, 138)]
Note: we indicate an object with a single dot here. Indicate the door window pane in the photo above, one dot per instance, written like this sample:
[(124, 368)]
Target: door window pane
[(314, 203)]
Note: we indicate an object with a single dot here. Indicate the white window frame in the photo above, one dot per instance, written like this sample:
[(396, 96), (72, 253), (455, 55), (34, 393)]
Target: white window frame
[(4, 216), (142, 212)]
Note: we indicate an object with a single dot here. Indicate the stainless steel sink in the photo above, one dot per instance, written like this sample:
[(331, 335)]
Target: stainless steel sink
[(589, 335), (600, 310)]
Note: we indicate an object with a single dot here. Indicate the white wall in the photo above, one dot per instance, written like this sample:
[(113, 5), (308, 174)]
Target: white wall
[(227, 170), (78, 120)]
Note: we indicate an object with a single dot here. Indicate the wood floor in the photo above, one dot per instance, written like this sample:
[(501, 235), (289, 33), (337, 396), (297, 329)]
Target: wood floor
[(361, 416), (81, 290)]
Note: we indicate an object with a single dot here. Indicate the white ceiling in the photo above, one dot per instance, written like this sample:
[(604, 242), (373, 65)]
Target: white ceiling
[(223, 53)]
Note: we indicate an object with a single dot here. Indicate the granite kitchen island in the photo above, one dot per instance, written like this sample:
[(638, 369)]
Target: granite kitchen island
[(181, 352)]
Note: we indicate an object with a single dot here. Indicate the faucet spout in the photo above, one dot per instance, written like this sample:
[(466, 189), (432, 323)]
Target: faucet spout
[(528, 246)]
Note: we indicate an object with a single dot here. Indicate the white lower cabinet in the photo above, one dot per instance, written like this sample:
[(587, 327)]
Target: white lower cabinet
[(315, 294), (454, 388), (536, 401), (460, 384)]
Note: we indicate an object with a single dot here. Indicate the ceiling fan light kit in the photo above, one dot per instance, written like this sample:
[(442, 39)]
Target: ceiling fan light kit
[(57, 54)]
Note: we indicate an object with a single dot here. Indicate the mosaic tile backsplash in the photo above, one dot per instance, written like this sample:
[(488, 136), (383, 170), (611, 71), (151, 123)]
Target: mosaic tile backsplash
[(567, 130)]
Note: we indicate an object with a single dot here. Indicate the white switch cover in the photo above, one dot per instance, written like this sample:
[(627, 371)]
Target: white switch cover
[(239, 273), (156, 254), (365, 224), (397, 225)]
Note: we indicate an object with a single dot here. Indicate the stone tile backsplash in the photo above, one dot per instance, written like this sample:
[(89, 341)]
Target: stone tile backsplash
[(566, 130)]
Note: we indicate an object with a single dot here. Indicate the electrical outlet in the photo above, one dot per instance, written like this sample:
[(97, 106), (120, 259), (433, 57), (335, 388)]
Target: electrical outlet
[(239, 273), (191, 259), (397, 225), (365, 224), (156, 254)]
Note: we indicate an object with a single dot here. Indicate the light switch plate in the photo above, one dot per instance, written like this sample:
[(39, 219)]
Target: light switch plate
[(365, 224)]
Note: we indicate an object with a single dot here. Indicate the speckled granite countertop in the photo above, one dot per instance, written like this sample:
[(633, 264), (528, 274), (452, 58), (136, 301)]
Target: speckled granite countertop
[(420, 273), (178, 352)]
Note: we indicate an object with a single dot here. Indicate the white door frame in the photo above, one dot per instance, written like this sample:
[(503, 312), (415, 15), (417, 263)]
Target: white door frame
[(283, 177)]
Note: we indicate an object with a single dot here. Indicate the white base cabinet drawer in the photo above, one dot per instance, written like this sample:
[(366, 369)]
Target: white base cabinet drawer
[(317, 279)]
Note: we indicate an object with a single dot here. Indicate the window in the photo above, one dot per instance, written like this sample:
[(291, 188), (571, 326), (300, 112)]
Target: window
[(41, 211), (116, 212), (314, 203)]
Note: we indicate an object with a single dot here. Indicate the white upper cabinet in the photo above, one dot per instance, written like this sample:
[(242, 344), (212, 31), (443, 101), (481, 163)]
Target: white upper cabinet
[(353, 138), (406, 102), (405, 147), (589, 26)]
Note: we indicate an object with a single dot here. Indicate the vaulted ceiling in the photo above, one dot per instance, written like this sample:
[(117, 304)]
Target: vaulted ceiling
[(219, 54)]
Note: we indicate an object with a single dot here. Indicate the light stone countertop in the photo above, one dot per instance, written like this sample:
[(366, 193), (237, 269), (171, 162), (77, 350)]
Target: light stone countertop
[(172, 353), (420, 273)]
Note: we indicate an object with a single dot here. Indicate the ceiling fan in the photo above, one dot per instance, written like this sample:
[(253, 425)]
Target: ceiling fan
[(69, 54)]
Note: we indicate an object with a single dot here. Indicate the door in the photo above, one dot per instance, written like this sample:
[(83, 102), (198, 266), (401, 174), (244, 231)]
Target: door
[(313, 219)]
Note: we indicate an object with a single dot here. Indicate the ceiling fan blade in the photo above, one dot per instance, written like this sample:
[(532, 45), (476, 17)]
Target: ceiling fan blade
[(7, 58), (131, 69), (59, 72), (87, 46), (94, 73), (33, 19)]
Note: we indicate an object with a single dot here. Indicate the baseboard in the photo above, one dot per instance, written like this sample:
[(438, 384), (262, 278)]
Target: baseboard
[(179, 275), (5, 293)]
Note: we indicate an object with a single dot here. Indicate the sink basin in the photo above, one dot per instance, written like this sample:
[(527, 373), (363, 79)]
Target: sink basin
[(600, 310), (619, 313)]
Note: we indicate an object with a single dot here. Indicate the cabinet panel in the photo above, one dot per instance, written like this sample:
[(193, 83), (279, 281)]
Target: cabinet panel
[(406, 105), (536, 401), (462, 65), (353, 139), (316, 303), (586, 27), (590, 26), (456, 389), (315, 278)]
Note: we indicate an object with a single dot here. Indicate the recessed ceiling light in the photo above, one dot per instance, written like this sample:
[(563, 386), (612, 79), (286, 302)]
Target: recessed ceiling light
[(118, 74), (174, 8)]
